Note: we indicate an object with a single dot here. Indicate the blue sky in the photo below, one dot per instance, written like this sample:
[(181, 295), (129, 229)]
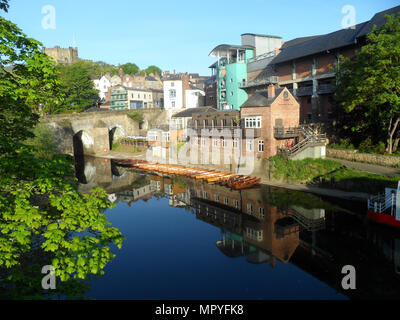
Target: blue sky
[(177, 34)]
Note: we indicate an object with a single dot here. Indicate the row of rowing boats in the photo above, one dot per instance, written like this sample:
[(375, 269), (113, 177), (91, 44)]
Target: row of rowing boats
[(231, 180)]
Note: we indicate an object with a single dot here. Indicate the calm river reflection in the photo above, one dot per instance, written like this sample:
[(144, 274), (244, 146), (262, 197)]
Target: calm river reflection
[(190, 240)]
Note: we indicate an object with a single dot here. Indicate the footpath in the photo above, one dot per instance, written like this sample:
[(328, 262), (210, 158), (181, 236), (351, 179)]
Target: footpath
[(369, 168)]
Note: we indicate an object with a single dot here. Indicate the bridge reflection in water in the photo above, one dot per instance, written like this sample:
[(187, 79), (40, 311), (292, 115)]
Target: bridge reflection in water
[(267, 224)]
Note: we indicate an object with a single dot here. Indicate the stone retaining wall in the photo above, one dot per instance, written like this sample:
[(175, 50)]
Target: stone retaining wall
[(353, 155)]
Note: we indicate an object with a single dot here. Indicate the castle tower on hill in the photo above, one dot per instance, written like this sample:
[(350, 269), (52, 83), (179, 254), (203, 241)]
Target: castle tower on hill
[(61, 55)]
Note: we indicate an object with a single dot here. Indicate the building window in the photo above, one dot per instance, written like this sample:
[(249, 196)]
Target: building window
[(172, 93), (249, 208), (203, 141), (215, 142), (252, 122), (231, 80), (261, 212), (172, 84), (236, 202), (235, 143), (231, 93), (249, 145), (260, 145), (224, 143), (216, 197), (173, 104), (226, 201)]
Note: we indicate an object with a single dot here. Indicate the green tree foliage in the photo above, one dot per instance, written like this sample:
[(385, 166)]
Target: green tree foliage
[(153, 70), (130, 68), (77, 87), (369, 86), (43, 142), (43, 219)]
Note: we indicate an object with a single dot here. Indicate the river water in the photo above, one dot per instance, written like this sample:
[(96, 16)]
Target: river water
[(190, 240)]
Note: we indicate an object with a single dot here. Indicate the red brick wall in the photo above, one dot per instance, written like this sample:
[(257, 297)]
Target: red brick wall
[(324, 63), (303, 68), (285, 72), (287, 110)]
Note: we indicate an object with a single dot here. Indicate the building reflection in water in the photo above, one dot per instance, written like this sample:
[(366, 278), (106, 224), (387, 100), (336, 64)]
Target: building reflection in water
[(266, 225)]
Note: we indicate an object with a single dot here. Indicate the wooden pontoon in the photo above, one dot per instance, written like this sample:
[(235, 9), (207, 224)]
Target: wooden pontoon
[(234, 181)]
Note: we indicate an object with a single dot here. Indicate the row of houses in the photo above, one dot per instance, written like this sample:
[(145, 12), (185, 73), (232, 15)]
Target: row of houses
[(275, 88), (172, 92)]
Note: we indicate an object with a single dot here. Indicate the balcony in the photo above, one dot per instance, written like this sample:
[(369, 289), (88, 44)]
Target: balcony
[(325, 88), (304, 91), (286, 133), (258, 82)]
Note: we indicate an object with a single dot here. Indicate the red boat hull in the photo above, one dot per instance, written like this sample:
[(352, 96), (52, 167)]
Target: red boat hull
[(384, 218)]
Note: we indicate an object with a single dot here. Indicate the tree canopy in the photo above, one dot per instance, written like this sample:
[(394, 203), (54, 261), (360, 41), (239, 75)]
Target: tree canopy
[(153, 70), (77, 87), (369, 86), (43, 219), (130, 68)]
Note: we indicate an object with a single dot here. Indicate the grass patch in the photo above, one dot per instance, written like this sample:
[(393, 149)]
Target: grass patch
[(127, 148), (301, 171), (329, 174), (136, 116)]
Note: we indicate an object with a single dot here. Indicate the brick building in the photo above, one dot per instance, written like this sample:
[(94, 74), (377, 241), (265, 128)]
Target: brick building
[(306, 67)]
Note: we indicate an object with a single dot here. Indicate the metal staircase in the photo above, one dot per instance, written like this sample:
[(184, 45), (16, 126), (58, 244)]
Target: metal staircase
[(311, 138)]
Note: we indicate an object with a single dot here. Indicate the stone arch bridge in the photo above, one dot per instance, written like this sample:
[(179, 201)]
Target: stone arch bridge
[(93, 133)]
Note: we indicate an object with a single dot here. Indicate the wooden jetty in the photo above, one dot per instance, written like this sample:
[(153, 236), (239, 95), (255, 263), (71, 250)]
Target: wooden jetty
[(234, 181)]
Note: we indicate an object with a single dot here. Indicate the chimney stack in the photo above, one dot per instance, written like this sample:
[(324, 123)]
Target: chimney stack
[(174, 71), (271, 91)]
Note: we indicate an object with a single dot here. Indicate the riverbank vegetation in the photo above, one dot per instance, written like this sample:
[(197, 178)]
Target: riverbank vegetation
[(43, 218), (328, 174)]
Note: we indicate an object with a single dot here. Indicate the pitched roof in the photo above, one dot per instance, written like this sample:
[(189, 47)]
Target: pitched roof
[(189, 112), (260, 98), (305, 46)]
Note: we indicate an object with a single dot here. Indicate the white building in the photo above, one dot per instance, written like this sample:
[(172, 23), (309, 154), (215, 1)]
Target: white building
[(194, 97), (173, 95), (102, 85)]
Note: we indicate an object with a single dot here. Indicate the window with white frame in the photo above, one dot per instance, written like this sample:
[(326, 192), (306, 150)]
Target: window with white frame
[(249, 208), (215, 142), (249, 145), (172, 93), (165, 137), (224, 143), (236, 203), (252, 122), (236, 143), (260, 145), (226, 201), (203, 141), (261, 212), (216, 197), (173, 104)]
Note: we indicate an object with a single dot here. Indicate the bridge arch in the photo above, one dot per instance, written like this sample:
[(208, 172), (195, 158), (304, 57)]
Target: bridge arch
[(115, 133), (82, 143)]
